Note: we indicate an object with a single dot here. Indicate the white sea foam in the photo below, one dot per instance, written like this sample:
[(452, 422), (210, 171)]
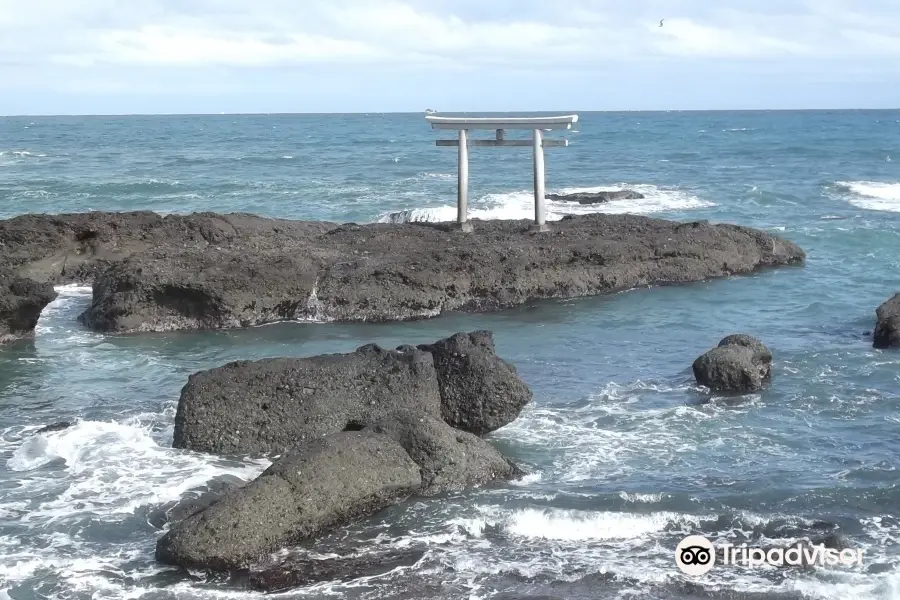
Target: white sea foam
[(529, 479), (581, 449), (640, 498), (873, 195), (431, 176), (58, 317), (579, 525), (95, 471), (520, 205), (25, 153), (112, 468), (571, 525)]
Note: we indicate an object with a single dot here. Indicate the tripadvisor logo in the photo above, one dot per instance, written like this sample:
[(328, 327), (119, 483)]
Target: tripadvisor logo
[(696, 555)]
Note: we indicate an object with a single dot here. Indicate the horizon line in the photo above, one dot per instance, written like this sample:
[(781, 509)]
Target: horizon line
[(423, 112)]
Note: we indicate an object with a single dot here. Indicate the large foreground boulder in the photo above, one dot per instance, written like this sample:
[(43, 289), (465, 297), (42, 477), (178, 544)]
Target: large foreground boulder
[(317, 486), (740, 363), (208, 271), (480, 392), (887, 328), (360, 431), (21, 303), (600, 197), (270, 405)]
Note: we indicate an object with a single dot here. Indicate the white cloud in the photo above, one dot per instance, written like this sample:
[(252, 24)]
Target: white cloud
[(326, 55), (193, 33), (154, 45)]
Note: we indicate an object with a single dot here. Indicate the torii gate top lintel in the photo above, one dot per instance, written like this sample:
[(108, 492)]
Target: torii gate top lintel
[(537, 124), (563, 122)]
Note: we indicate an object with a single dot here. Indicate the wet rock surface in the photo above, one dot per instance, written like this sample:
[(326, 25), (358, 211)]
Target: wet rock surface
[(193, 501), (887, 327), (739, 364), (21, 303)]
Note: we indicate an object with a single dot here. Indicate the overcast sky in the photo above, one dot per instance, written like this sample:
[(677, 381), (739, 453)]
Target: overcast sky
[(211, 56)]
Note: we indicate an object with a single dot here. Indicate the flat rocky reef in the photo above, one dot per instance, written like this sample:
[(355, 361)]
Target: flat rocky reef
[(210, 271)]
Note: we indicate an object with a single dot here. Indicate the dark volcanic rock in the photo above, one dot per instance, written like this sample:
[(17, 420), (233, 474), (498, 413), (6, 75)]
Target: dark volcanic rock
[(887, 329), (271, 405), (76, 247), (212, 290), (193, 501), (21, 303), (317, 486), (384, 272), (58, 426), (740, 363), (303, 571), (200, 271), (450, 460), (480, 392), (597, 197)]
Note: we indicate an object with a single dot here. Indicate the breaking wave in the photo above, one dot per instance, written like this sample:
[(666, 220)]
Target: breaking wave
[(872, 195), (520, 205)]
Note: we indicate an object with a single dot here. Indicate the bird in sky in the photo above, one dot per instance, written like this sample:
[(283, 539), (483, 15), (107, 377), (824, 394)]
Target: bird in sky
[(661, 22)]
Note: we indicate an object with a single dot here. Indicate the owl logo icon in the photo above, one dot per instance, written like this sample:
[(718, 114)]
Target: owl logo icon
[(695, 555)]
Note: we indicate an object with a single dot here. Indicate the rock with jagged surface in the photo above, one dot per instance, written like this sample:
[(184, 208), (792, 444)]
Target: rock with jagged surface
[(887, 327), (740, 363)]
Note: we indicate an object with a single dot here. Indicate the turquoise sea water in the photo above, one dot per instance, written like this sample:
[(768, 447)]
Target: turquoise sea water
[(625, 456)]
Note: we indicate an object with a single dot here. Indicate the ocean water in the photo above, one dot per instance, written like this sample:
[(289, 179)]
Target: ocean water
[(625, 456)]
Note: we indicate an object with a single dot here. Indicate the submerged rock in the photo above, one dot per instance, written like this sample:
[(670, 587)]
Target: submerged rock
[(480, 392), (21, 303), (270, 405), (299, 571), (597, 197), (887, 328), (316, 487), (740, 363), (58, 426)]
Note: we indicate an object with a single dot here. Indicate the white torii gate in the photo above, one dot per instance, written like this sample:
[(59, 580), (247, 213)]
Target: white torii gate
[(537, 124)]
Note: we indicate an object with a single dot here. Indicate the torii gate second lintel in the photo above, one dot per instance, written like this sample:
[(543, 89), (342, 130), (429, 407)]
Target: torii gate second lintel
[(537, 124)]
